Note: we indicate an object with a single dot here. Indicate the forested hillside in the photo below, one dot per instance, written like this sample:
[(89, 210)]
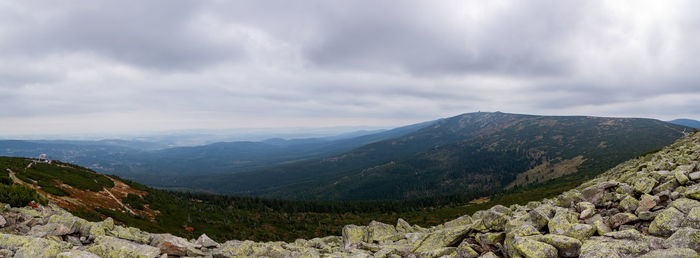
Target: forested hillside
[(470, 153)]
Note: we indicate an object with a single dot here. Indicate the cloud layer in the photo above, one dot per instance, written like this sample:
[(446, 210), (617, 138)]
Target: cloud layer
[(118, 66)]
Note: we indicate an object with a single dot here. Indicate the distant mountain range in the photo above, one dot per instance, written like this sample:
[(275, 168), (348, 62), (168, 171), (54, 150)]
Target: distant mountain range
[(687, 122), (471, 153), (151, 164)]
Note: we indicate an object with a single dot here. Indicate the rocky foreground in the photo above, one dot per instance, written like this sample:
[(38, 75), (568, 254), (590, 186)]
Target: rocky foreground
[(645, 207)]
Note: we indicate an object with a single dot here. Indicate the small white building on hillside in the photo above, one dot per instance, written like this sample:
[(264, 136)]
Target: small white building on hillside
[(43, 158)]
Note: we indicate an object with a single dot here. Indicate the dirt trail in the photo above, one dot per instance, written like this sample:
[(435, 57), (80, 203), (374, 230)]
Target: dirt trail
[(119, 202)]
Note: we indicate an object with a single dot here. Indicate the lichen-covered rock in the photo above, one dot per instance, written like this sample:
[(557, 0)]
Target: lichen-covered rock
[(26, 246), (587, 210), (31, 213), (494, 221), (566, 246), (206, 242), (112, 247), (601, 227), (593, 194), (461, 221), (629, 204), (440, 252), (403, 227), (605, 247), (377, 232), (580, 231), (172, 245), (646, 203), (684, 205), (667, 186), (77, 254), (561, 221), (694, 176), (442, 238), (666, 222), (524, 229), (533, 249), (489, 255), (50, 229), (490, 238), (622, 218), (693, 192), (685, 238), (464, 250), (681, 177), (539, 216), (95, 230), (235, 248), (352, 236), (693, 218), (131, 233), (625, 234), (672, 252), (644, 185)]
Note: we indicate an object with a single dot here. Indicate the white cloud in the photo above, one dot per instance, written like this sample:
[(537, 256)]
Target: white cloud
[(121, 66)]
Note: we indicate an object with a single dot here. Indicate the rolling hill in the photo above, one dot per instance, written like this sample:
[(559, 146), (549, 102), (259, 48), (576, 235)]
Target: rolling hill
[(466, 154), (687, 122)]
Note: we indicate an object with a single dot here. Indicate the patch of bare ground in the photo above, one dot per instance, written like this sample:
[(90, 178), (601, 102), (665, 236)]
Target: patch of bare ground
[(109, 198)]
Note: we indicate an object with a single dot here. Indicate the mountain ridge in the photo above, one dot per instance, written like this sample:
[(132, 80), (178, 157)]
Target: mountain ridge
[(437, 153)]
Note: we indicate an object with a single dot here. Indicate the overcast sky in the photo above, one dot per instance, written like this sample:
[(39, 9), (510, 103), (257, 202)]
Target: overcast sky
[(127, 66)]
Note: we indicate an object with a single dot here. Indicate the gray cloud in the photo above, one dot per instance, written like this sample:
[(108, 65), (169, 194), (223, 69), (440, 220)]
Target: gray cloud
[(106, 65)]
